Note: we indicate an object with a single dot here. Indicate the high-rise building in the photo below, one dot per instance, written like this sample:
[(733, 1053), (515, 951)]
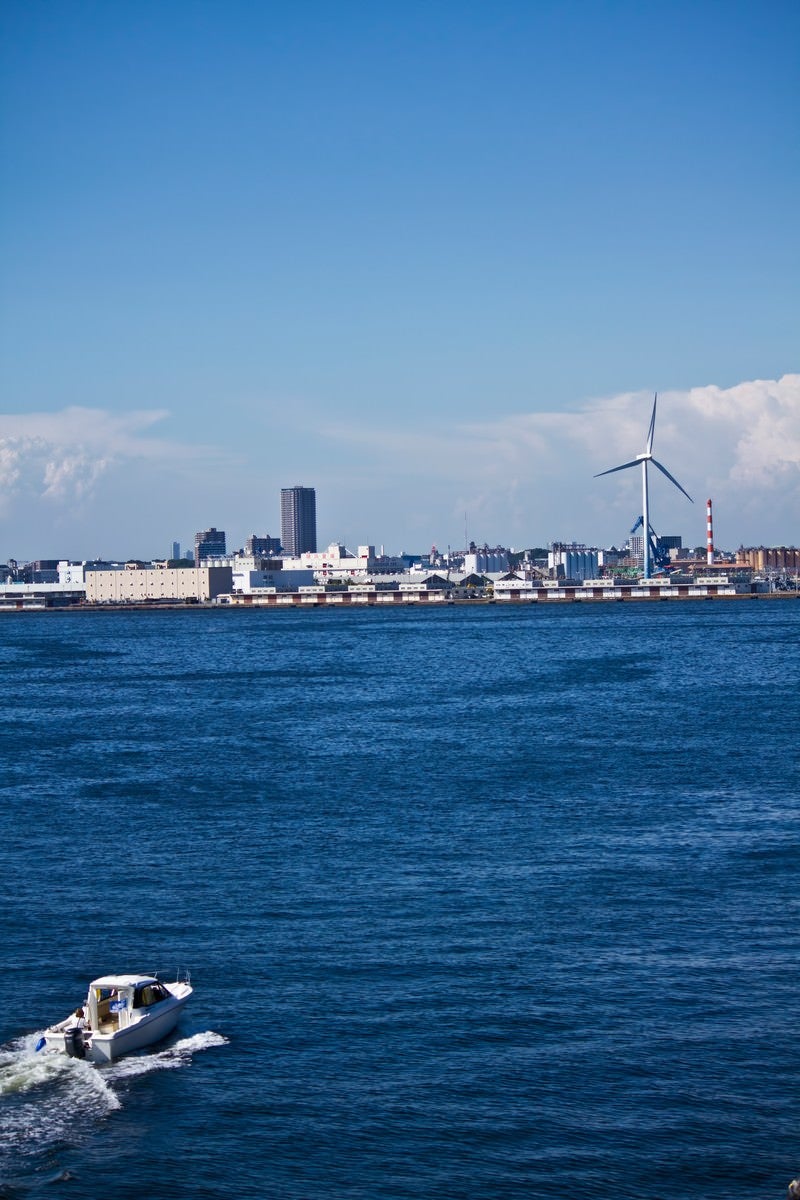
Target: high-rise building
[(262, 547), (176, 551), (299, 520), (209, 543)]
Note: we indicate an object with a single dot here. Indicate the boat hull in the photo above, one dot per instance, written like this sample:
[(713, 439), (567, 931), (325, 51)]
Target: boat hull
[(153, 1028), (150, 1027)]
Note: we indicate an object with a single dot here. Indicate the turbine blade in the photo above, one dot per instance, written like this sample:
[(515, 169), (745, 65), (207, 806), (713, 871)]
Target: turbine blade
[(664, 471), (635, 462), (652, 428)]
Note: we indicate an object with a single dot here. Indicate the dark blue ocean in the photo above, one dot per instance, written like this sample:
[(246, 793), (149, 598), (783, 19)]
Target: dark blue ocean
[(477, 901)]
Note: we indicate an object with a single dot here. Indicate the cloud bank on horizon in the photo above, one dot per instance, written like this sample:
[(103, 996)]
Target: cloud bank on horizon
[(521, 478), (739, 445), (59, 457)]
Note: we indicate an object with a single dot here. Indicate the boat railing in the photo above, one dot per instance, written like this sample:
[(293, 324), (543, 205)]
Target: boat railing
[(182, 975)]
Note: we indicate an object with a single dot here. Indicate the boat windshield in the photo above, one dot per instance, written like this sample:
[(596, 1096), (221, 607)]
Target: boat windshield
[(148, 994)]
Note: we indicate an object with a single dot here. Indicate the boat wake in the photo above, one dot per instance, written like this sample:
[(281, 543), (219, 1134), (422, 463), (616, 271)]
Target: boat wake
[(179, 1054), (49, 1102)]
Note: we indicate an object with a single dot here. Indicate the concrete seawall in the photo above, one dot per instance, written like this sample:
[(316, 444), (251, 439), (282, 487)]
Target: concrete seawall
[(432, 599)]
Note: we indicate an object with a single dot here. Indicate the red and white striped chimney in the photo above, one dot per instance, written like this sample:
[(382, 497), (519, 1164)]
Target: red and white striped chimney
[(709, 536)]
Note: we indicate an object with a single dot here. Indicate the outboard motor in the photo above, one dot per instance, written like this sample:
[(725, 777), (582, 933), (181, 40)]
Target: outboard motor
[(74, 1043)]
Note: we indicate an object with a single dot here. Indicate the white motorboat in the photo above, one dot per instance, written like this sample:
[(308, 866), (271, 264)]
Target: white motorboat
[(121, 1013)]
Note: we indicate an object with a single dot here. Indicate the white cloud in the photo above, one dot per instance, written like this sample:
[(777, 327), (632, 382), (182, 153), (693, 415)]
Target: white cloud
[(9, 466), (747, 432), (740, 445), (61, 456), (85, 480), (72, 475)]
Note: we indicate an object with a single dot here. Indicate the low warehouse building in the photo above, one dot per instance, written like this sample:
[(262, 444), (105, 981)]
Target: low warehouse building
[(143, 585)]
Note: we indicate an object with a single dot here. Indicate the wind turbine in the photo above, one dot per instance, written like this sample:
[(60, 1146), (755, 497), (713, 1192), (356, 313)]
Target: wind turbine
[(644, 459)]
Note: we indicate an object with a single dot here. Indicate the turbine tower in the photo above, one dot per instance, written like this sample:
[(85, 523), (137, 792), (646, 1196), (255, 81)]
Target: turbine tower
[(644, 459)]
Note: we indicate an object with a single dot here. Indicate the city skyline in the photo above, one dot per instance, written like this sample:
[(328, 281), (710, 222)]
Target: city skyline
[(436, 261), (756, 500)]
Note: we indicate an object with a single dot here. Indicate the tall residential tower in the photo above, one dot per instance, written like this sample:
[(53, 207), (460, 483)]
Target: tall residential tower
[(299, 520), (209, 543)]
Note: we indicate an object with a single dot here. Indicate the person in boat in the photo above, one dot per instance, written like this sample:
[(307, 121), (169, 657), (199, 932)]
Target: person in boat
[(80, 1019)]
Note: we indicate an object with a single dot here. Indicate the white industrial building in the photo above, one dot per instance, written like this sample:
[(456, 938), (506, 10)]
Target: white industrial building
[(39, 595), (71, 574), (337, 562), (133, 584), (250, 579)]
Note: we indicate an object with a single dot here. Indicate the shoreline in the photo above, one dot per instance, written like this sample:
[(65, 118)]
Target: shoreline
[(333, 600)]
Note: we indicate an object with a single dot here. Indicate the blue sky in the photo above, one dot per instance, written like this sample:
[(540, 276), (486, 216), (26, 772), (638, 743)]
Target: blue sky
[(432, 259)]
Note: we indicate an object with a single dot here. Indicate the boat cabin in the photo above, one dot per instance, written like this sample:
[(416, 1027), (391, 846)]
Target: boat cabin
[(117, 1001)]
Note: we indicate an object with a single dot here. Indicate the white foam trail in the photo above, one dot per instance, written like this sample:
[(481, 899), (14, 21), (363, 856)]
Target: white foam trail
[(49, 1098), (46, 1098), (22, 1068), (179, 1054)]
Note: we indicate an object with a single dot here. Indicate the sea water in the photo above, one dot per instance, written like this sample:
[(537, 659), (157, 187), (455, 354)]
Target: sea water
[(477, 901)]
